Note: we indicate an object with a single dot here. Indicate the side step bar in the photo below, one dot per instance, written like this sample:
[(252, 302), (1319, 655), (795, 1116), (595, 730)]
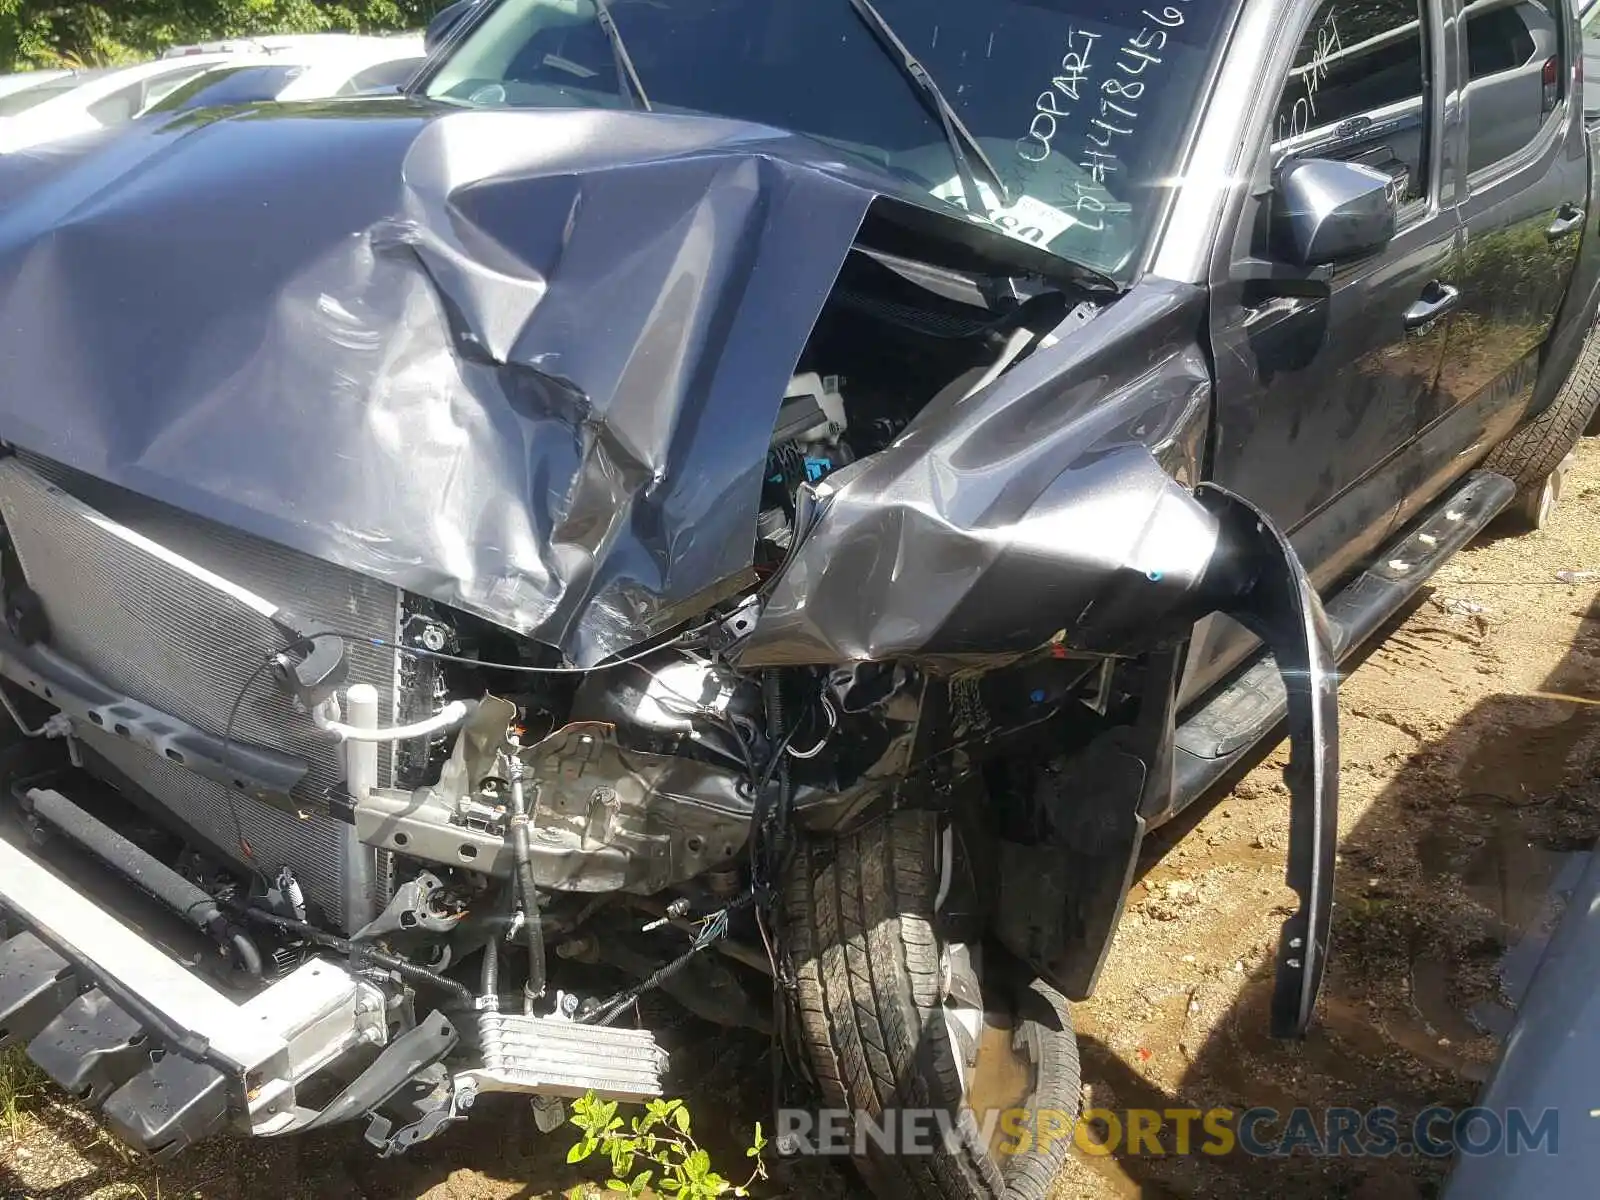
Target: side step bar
[(1219, 735)]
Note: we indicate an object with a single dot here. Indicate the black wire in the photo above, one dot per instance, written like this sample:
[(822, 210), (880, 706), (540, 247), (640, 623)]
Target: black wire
[(227, 753), (359, 954)]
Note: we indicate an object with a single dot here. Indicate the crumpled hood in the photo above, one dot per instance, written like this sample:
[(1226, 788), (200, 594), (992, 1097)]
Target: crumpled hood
[(526, 363)]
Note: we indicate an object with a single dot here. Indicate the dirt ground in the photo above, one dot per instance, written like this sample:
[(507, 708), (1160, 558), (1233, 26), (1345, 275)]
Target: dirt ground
[(1467, 805)]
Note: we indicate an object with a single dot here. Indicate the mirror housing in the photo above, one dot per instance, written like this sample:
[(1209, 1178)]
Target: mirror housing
[(1325, 211)]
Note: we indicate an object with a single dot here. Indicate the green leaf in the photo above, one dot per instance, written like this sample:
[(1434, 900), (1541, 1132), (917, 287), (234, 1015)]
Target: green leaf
[(670, 1184), (581, 1150), (759, 1141), (680, 1117), (696, 1165), (616, 1185), (640, 1182)]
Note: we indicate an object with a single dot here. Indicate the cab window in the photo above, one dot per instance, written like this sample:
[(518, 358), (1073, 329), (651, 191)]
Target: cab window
[(1358, 91), (1514, 76)]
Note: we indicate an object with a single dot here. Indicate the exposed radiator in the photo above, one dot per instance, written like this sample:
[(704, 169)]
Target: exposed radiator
[(115, 574)]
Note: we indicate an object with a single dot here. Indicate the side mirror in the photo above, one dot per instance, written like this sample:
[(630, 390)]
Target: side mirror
[(1325, 211), (439, 28)]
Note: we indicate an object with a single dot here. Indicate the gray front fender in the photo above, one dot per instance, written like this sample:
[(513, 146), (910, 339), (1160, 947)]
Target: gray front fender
[(1274, 599), (1114, 557)]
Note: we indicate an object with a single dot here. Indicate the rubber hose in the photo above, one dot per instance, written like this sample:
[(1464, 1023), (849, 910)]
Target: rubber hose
[(152, 875), (249, 957), (533, 923), (489, 981)]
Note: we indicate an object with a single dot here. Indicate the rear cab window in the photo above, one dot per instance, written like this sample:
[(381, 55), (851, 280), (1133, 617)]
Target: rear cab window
[(1515, 77)]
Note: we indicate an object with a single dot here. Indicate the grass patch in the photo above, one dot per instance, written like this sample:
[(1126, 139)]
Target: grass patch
[(21, 1088)]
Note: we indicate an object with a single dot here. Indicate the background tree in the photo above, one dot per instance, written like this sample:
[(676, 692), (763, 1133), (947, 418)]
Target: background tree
[(39, 33)]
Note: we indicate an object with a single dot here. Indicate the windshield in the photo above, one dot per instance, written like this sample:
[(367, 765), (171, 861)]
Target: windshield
[(1080, 105)]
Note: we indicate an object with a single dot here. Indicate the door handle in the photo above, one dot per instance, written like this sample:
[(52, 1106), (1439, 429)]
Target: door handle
[(1436, 300), (1569, 219)]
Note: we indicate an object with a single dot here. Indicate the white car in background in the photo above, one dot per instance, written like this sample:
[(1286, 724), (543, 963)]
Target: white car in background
[(92, 100), (309, 69), (304, 44), (24, 80)]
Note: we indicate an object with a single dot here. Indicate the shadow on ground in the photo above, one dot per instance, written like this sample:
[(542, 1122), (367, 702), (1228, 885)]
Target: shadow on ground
[(1447, 890)]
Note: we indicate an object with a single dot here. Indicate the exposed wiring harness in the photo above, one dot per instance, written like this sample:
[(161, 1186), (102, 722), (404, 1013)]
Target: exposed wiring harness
[(713, 929), (393, 734), (769, 819), (359, 953)]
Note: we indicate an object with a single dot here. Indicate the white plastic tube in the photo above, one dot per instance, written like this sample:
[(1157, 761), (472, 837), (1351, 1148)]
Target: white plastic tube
[(361, 754), (451, 714), (360, 779)]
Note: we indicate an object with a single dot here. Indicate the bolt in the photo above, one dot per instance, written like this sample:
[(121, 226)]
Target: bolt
[(433, 637)]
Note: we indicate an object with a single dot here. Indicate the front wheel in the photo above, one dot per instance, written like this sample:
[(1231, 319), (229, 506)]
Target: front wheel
[(902, 1023)]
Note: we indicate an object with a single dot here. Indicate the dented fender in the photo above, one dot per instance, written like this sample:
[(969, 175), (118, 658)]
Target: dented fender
[(1272, 596), (1110, 554)]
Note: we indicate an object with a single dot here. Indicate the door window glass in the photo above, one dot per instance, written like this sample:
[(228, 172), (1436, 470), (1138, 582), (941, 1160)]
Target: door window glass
[(1358, 91), (1514, 73)]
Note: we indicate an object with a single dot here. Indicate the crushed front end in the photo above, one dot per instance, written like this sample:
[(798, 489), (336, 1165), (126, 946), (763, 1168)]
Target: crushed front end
[(447, 638)]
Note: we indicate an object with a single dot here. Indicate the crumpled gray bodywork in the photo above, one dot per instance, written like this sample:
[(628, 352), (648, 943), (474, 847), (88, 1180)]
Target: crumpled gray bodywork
[(525, 363), (1056, 504)]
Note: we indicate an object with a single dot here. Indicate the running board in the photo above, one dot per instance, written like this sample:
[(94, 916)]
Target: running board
[(1220, 735)]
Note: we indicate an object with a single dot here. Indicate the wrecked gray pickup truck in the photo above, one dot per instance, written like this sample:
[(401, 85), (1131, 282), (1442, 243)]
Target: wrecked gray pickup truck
[(761, 502)]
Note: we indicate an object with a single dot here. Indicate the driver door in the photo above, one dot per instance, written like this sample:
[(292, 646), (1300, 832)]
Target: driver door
[(1320, 374)]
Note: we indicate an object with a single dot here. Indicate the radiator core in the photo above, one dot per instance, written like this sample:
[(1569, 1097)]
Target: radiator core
[(117, 576)]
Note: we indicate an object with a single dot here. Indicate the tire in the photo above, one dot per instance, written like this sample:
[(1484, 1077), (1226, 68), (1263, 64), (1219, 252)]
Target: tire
[(1532, 455), (869, 965)]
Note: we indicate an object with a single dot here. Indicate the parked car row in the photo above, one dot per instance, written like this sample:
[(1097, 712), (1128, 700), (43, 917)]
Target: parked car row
[(44, 106)]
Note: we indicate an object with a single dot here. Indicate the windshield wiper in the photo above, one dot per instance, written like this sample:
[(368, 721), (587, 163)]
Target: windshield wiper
[(619, 50), (962, 143)]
